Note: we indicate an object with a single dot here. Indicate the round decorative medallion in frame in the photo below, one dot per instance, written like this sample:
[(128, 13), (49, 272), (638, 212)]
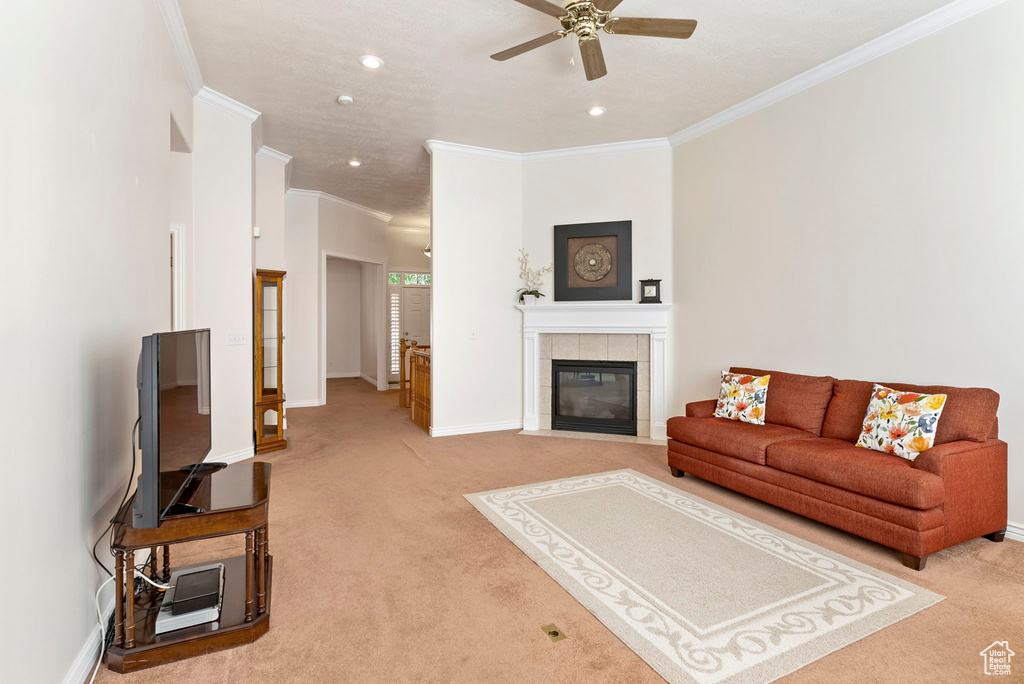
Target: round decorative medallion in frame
[(593, 262)]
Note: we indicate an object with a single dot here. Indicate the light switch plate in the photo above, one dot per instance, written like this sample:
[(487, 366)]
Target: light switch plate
[(236, 339)]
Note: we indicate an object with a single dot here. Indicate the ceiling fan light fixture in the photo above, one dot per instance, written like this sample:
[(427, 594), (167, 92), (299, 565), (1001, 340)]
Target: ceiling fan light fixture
[(371, 62), (596, 111), (586, 19)]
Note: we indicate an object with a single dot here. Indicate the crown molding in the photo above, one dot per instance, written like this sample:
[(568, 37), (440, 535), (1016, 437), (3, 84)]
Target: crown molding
[(895, 39), (471, 151), (409, 229), (626, 147), (648, 145), (225, 103), (182, 45), (273, 155), (297, 192), (257, 134)]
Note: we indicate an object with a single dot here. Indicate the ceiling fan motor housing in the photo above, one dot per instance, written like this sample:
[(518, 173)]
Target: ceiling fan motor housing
[(585, 20)]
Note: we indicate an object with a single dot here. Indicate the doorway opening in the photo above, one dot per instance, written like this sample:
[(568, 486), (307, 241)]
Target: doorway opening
[(408, 315), (353, 332)]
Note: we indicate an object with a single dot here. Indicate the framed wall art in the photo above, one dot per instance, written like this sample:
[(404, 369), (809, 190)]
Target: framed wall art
[(594, 261)]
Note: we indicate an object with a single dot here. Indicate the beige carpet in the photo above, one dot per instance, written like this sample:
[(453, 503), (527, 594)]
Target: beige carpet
[(703, 595), (383, 572)]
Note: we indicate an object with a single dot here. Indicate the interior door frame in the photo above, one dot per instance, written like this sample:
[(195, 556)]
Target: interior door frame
[(377, 307), (178, 277)]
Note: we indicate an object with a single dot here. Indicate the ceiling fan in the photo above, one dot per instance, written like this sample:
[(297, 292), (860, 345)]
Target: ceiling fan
[(586, 18)]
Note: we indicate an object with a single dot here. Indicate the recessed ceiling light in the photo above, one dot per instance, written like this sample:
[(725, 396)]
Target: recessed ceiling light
[(355, 162), (371, 62), (345, 99), (596, 111)]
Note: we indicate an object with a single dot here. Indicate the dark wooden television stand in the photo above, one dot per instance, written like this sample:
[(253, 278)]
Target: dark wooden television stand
[(235, 500)]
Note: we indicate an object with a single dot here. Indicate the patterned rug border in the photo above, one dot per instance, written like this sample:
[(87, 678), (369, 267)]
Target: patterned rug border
[(761, 673)]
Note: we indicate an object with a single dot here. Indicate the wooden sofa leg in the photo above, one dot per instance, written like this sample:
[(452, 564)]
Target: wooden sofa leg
[(913, 562), (676, 472), (997, 536)]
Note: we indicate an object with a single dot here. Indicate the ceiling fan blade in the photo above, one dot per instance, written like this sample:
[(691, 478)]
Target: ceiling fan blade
[(658, 28), (607, 5), (526, 47), (593, 59), (545, 7)]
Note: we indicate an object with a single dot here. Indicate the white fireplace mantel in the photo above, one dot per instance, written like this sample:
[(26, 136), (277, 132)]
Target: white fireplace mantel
[(596, 318)]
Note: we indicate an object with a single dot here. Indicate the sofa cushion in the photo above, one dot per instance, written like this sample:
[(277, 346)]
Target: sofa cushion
[(797, 401), (841, 464), (732, 438), (969, 412)]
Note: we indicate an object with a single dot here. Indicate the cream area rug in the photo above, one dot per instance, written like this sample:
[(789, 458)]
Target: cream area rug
[(702, 594)]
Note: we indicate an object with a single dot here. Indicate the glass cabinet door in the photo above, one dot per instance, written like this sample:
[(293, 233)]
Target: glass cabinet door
[(270, 337)]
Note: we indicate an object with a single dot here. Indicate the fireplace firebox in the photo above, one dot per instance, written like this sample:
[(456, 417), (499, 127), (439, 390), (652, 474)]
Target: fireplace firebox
[(594, 396)]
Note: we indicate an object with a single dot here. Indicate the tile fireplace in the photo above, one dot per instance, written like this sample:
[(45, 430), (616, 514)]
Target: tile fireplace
[(600, 331)]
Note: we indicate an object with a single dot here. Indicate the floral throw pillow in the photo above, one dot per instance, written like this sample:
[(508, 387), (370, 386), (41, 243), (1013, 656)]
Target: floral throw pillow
[(901, 423), (743, 398)]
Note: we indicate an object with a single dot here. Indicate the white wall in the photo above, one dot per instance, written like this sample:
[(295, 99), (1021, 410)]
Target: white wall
[(635, 186), (351, 232), (85, 223), (405, 250), (180, 196), (302, 296), (270, 186), (223, 201), (870, 227), (476, 343), (344, 292)]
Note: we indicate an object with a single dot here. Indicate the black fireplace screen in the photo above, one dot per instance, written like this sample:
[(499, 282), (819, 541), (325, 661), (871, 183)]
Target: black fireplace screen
[(594, 396)]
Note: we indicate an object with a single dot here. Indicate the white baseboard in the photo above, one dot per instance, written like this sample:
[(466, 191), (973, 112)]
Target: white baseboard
[(85, 661), (368, 379), (344, 374), (302, 403), (1015, 531), (474, 429), (234, 456)]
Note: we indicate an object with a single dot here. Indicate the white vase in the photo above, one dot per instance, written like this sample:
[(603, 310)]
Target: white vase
[(530, 299)]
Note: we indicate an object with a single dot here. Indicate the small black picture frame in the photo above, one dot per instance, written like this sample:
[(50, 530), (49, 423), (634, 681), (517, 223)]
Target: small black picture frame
[(622, 261), (646, 296)]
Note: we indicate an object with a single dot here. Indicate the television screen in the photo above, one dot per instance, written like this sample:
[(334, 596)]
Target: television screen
[(174, 411), (184, 372)]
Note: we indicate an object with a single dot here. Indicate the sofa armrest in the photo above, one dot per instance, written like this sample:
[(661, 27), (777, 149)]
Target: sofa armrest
[(949, 456), (974, 478), (701, 409)]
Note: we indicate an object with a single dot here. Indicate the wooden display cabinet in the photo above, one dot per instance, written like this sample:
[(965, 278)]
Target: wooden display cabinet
[(268, 345)]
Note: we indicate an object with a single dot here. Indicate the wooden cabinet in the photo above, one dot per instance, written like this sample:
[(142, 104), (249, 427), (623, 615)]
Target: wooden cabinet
[(234, 500), (268, 375)]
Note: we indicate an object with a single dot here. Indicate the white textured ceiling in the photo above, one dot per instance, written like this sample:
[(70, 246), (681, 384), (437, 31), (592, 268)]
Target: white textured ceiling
[(290, 59)]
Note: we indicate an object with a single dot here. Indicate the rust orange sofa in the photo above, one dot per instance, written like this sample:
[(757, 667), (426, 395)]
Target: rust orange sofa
[(804, 460)]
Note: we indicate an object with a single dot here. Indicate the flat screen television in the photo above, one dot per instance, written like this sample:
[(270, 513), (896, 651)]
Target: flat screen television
[(174, 414)]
